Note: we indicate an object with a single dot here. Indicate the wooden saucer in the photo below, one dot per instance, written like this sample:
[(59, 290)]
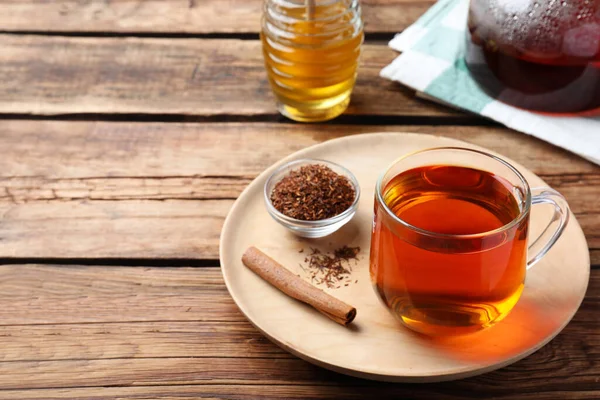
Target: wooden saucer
[(376, 346)]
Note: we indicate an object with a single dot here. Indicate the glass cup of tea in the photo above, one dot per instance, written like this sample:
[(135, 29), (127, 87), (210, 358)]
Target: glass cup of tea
[(311, 50), (540, 55), (449, 248)]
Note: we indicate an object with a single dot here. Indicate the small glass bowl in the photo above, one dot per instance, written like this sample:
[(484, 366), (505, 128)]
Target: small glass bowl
[(311, 229)]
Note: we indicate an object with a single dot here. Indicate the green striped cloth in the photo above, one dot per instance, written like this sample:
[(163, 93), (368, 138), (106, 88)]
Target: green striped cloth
[(432, 62)]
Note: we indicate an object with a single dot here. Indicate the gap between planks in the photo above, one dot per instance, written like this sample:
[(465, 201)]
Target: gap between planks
[(370, 37), (130, 262), (278, 391), (345, 119), (115, 262)]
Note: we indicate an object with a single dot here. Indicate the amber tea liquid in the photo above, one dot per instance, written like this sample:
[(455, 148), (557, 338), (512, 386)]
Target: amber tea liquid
[(312, 62), (443, 284)]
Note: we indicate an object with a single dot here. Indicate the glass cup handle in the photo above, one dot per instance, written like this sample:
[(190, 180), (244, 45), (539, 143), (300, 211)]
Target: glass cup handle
[(548, 237)]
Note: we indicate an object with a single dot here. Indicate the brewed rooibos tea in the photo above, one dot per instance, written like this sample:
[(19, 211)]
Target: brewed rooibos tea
[(444, 277)]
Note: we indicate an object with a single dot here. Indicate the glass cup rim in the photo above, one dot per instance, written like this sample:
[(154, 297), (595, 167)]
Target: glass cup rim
[(522, 214)]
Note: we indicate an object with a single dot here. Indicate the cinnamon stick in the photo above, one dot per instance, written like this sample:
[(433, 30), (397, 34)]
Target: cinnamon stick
[(294, 286)]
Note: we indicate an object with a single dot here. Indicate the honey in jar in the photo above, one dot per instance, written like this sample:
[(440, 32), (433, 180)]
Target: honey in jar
[(311, 52)]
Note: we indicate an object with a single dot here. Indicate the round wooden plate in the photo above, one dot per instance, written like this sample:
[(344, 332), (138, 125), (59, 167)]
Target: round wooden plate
[(376, 345)]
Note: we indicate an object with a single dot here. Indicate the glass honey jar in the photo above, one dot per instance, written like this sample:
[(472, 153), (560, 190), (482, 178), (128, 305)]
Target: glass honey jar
[(311, 50)]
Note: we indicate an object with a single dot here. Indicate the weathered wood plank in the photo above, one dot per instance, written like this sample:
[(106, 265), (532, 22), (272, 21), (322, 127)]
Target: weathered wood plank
[(545, 372), (65, 75), (580, 189), (347, 390), (178, 16), (81, 189), (201, 353), (33, 294), (158, 339), (117, 228), (57, 149)]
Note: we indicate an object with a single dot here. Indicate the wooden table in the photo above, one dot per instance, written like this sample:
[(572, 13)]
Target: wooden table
[(128, 129)]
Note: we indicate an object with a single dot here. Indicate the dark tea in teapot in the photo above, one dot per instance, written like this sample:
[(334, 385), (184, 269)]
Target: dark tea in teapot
[(539, 55)]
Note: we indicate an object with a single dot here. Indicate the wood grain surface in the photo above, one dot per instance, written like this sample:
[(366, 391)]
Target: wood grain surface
[(178, 16), (195, 347), (76, 189), (74, 75), (345, 390), (142, 190)]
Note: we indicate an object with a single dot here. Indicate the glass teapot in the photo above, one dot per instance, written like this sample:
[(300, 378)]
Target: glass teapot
[(540, 55)]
